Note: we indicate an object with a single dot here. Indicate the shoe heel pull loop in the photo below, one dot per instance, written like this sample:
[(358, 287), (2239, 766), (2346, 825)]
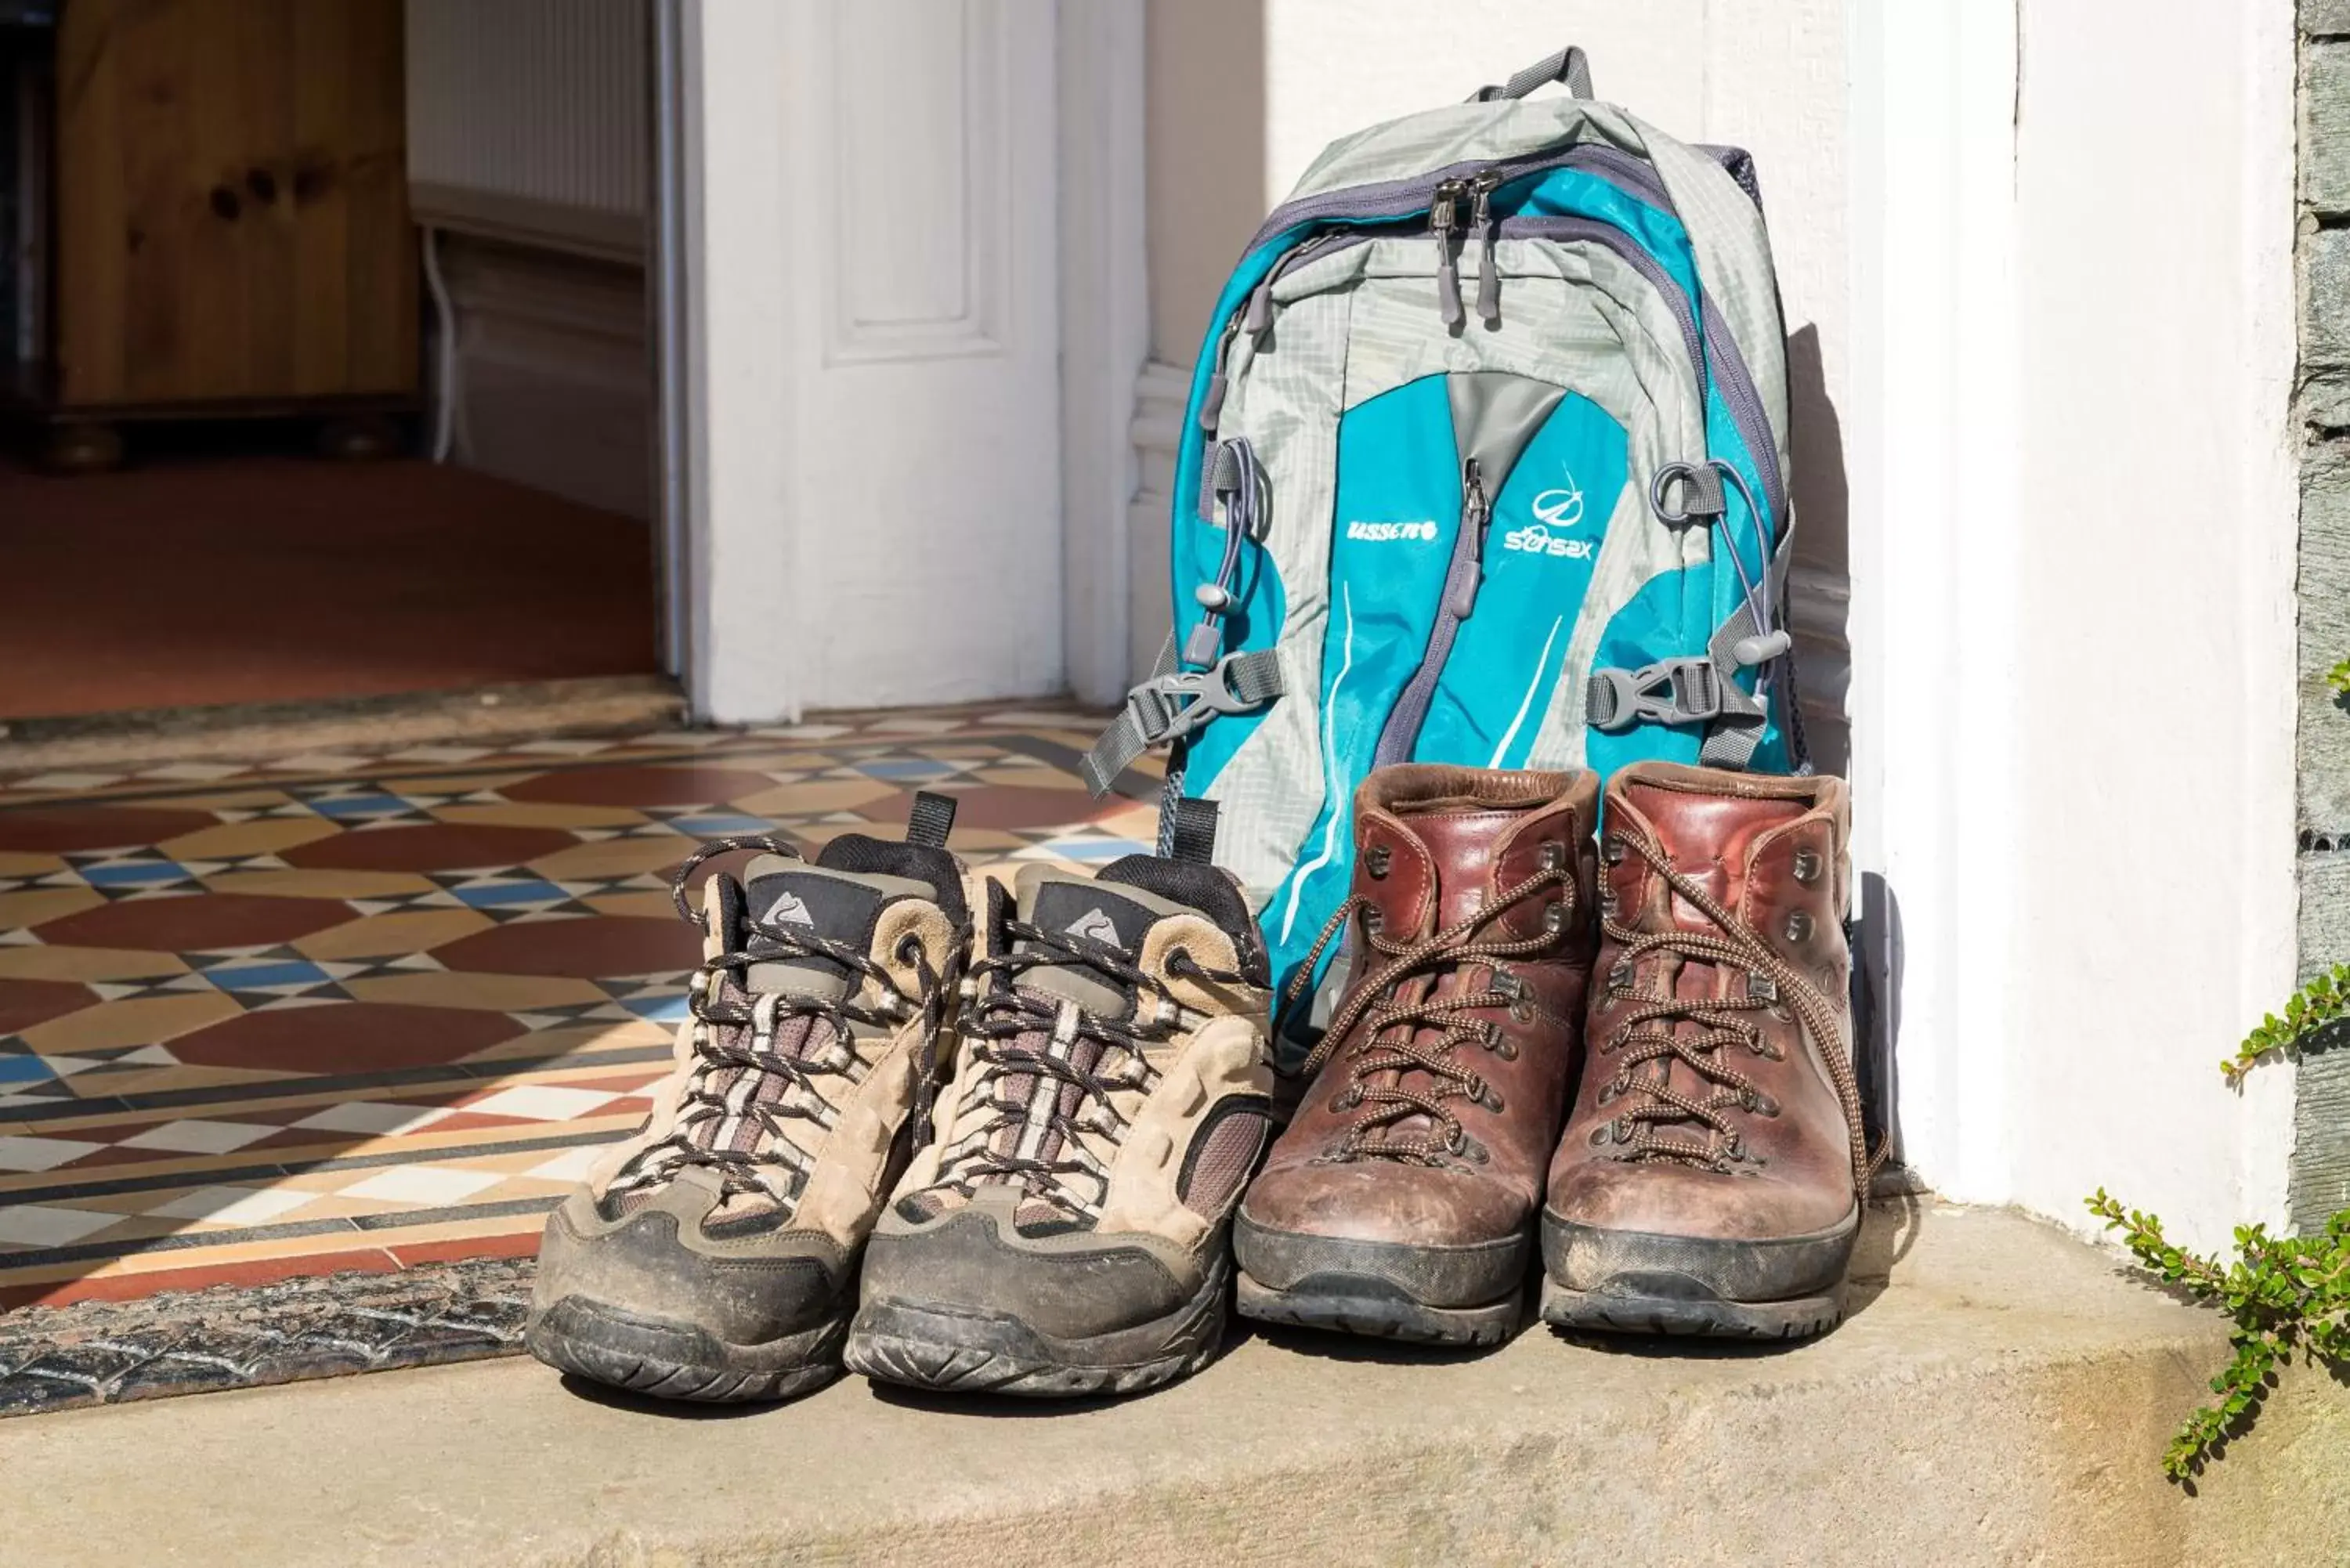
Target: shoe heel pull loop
[(1191, 833), (930, 820)]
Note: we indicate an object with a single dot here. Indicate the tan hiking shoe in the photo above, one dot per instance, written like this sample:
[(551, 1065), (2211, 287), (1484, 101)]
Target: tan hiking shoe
[(714, 1255), (1711, 1179), (1065, 1232)]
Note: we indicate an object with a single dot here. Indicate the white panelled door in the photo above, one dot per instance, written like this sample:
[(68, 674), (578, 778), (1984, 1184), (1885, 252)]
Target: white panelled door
[(873, 257)]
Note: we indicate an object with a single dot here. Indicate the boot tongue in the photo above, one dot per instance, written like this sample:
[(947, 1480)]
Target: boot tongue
[(842, 906), (1709, 837), (1106, 910)]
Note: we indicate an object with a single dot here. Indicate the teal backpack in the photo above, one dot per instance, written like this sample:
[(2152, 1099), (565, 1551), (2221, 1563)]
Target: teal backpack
[(1486, 463)]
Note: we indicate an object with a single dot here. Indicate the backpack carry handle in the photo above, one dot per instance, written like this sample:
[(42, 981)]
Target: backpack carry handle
[(1570, 66)]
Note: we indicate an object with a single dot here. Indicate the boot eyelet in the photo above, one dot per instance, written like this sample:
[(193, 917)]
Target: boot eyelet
[(1522, 1011), (1799, 925), (1347, 1098), (1611, 849), (1373, 920), (1553, 918), (1807, 867), (1619, 977), (1602, 1134), (1553, 856), (1378, 860), (1504, 1047), (1491, 1099)]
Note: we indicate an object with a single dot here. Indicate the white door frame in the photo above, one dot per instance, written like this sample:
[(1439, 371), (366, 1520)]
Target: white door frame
[(728, 457), (1105, 329)]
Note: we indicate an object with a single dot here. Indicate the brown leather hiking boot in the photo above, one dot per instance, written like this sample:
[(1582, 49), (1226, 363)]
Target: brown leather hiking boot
[(1708, 1182), (1402, 1200)]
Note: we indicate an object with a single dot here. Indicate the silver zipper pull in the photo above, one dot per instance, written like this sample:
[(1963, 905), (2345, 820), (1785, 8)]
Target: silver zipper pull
[(1489, 279)]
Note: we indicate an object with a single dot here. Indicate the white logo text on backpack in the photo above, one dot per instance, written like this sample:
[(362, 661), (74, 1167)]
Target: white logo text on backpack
[(1382, 530), (1560, 509)]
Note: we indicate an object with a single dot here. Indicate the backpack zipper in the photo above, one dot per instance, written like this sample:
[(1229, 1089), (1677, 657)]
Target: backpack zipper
[(1461, 581), (1480, 221), (1394, 200), (1443, 217)]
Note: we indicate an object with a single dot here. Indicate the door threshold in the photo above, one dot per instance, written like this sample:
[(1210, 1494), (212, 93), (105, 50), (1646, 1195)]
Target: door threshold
[(535, 708)]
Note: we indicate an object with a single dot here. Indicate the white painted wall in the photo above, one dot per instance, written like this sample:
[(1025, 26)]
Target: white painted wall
[(2044, 329), (2073, 570)]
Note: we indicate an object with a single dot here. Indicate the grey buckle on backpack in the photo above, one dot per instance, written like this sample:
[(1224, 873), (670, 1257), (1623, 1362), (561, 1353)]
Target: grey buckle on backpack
[(1669, 691), (1175, 704)]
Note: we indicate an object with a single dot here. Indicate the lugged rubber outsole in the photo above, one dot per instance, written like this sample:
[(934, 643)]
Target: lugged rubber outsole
[(596, 1342), (1615, 1312), (1330, 1306), (1381, 1317), (951, 1350), (1633, 1282)]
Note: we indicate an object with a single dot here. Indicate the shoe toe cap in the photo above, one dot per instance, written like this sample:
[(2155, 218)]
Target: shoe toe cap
[(657, 1265)]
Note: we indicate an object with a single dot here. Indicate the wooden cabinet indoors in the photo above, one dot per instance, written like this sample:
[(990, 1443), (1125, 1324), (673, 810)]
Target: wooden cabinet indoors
[(229, 227)]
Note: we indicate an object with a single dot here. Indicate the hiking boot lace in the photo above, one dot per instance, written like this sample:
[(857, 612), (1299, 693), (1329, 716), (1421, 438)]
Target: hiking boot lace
[(745, 1041), (1663, 1121), (1392, 1043), (1011, 1032)]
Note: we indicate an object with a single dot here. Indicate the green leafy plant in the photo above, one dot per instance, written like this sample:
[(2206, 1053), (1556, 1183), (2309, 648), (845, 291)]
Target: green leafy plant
[(2339, 677), (2324, 1001), (2285, 1294)]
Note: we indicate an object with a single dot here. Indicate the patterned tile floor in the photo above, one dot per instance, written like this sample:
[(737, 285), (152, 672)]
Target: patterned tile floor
[(373, 1011)]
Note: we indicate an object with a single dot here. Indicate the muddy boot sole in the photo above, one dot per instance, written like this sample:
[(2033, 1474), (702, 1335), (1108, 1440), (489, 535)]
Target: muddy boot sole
[(1462, 1295), (1335, 1307), (1630, 1281), (678, 1361), (960, 1350)]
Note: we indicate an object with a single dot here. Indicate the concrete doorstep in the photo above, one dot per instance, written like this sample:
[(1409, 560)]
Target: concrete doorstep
[(2002, 1395)]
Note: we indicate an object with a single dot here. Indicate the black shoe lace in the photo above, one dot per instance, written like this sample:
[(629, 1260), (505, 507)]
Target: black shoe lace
[(1391, 1043), (1002, 1021), (736, 1028)]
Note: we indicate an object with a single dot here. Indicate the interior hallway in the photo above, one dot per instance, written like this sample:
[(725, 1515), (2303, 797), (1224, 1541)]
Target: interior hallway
[(259, 577)]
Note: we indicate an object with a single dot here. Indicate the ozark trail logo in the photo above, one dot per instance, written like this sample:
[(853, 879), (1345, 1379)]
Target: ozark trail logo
[(1383, 531), (1555, 511), (1094, 926), (789, 909)]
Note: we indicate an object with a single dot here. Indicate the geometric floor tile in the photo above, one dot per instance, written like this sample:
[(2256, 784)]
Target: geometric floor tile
[(375, 1011), (235, 1205), (199, 1137), (42, 1153), (41, 1225), (423, 1186), (542, 1103), (380, 1119)]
